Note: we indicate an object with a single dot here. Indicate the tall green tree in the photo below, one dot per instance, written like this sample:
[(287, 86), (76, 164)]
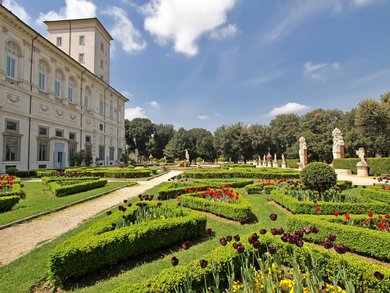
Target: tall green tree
[(202, 140), (284, 129), (162, 135), (176, 147), (138, 133)]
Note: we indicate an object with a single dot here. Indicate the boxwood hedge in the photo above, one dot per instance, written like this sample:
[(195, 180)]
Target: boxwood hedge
[(7, 202), (102, 245), (359, 239), (46, 180), (358, 270), (376, 166), (239, 211), (327, 208), (376, 194), (61, 190)]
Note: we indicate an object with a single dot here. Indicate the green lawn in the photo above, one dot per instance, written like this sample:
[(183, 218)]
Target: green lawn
[(22, 274), (39, 199)]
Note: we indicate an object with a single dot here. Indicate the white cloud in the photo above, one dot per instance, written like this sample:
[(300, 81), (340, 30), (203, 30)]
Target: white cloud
[(17, 9), (137, 112), (183, 22), (226, 32), (319, 71), (155, 105), (203, 117), (73, 9), (288, 108), (124, 31)]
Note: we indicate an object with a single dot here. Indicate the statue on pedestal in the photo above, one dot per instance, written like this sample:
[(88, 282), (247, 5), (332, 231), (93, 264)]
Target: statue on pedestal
[(338, 144), (302, 153)]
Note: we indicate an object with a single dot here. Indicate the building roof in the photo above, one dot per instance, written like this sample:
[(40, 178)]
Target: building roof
[(94, 19)]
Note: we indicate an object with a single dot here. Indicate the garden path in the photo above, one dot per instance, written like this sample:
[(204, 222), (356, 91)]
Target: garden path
[(18, 240)]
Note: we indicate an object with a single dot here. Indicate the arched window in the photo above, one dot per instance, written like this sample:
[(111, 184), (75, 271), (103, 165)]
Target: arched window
[(12, 55), (87, 96), (58, 82), (43, 75), (71, 90)]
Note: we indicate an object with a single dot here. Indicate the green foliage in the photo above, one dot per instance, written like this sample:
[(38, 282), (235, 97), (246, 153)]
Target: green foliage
[(7, 202), (228, 166), (359, 271), (376, 166), (259, 188), (138, 133), (365, 241), (46, 180), (327, 208), (318, 176), (62, 190), (376, 194), (240, 211), (162, 135), (100, 245)]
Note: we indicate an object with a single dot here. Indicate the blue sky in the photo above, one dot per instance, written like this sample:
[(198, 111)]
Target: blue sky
[(205, 63)]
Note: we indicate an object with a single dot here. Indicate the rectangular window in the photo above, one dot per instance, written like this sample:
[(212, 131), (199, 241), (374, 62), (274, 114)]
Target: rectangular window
[(11, 148), (11, 125), (43, 131), (81, 40), (112, 153), (59, 133), (70, 94), (72, 136), (101, 106), (86, 102), (43, 150), (101, 127), (57, 88), (88, 139), (10, 67), (101, 153), (81, 57), (59, 41), (119, 154), (111, 110), (41, 81)]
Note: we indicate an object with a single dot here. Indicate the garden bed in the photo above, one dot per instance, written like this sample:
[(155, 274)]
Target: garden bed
[(264, 173), (62, 188)]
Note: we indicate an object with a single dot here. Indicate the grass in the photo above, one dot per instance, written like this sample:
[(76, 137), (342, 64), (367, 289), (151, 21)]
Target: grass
[(22, 274), (40, 199)]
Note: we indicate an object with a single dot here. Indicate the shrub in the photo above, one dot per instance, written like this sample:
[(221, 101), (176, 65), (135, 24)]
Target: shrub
[(199, 159), (259, 188), (376, 166), (240, 211), (100, 245), (46, 180), (318, 176), (376, 194), (359, 239), (11, 171), (327, 208), (62, 190), (7, 202)]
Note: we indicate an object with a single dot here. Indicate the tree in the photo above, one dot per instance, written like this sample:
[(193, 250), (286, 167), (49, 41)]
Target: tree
[(177, 146), (162, 135), (202, 141), (261, 139), (138, 133), (284, 129)]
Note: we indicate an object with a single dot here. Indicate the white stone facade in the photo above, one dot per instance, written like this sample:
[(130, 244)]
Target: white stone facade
[(51, 105)]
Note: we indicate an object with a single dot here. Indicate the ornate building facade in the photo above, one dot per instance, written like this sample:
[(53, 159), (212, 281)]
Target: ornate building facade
[(55, 96)]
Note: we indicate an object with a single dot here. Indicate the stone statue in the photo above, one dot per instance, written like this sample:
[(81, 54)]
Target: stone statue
[(275, 162), (338, 144), (187, 156), (284, 164), (362, 166), (361, 154), (302, 152)]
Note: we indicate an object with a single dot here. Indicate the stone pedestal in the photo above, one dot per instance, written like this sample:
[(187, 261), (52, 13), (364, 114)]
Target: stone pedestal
[(275, 164), (343, 171), (269, 164), (362, 169), (284, 165), (339, 153)]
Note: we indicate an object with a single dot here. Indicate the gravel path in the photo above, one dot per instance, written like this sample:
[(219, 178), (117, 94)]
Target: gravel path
[(18, 240)]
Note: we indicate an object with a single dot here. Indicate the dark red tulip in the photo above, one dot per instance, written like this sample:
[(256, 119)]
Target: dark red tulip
[(256, 244), (299, 243), (331, 237), (340, 248), (185, 245), (129, 204), (379, 275), (228, 238), (314, 229), (236, 237), (272, 249), (203, 263), (327, 244), (240, 248), (174, 261), (108, 213), (263, 231), (223, 241), (273, 217)]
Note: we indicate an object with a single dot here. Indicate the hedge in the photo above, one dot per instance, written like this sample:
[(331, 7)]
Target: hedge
[(258, 188), (362, 240), (264, 173), (358, 270), (46, 180), (239, 211), (376, 194), (327, 208), (7, 202), (100, 245), (232, 165), (376, 166), (62, 190)]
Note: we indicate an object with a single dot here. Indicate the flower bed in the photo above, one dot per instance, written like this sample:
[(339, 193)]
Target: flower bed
[(327, 208), (226, 204), (67, 187), (359, 239), (365, 276), (10, 192), (270, 173), (105, 244)]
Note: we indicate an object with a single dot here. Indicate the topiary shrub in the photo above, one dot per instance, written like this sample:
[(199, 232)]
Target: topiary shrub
[(318, 176)]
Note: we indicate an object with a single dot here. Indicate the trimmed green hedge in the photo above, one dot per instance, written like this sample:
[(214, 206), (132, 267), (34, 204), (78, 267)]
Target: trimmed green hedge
[(46, 180), (231, 165), (327, 208), (358, 270), (376, 194), (377, 166), (270, 173), (259, 188), (62, 190), (100, 245), (240, 211), (7, 202), (362, 240)]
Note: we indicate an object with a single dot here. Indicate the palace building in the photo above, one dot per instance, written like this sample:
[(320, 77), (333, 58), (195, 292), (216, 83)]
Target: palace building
[(55, 94)]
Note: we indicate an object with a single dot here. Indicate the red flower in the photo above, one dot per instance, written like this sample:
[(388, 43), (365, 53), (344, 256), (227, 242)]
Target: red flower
[(318, 208), (373, 184), (370, 214), (383, 187), (381, 226), (387, 216), (372, 220), (347, 216), (336, 213), (380, 216), (237, 197)]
